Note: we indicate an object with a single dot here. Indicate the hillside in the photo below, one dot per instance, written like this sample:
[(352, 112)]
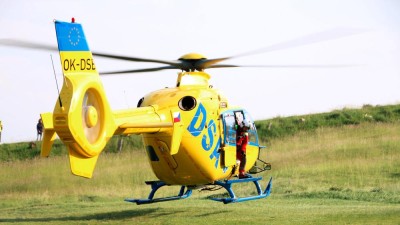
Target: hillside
[(332, 173), (267, 130), (30, 150), (287, 126)]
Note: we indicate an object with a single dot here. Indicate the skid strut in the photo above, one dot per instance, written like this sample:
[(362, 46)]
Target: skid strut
[(232, 197), (155, 185)]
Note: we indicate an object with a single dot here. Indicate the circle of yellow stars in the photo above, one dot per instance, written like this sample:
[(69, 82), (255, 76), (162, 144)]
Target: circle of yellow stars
[(74, 32)]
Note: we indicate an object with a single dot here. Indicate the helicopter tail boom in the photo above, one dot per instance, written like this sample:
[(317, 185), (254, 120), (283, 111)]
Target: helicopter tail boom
[(146, 120)]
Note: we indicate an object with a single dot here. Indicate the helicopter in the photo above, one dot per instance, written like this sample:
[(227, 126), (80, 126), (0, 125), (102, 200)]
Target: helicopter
[(189, 131)]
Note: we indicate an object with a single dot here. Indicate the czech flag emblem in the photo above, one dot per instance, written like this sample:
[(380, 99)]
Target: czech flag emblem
[(177, 117)]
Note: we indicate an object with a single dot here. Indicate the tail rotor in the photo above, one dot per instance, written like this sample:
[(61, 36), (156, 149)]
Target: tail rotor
[(91, 116)]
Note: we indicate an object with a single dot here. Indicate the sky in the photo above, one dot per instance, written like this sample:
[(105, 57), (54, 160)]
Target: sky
[(169, 29)]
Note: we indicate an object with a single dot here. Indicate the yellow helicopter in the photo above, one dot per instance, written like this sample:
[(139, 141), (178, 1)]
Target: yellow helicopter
[(189, 131)]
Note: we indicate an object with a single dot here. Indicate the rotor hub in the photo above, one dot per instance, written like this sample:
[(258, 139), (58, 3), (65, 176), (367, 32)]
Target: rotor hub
[(192, 56), (91, 116)]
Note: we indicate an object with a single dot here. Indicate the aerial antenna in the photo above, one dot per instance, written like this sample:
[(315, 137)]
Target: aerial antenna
[(54, 71)]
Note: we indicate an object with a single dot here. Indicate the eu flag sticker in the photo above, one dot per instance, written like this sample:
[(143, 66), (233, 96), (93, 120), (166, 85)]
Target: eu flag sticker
[(70, 37)]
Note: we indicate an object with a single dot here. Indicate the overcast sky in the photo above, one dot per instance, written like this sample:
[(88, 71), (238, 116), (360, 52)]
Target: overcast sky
[(170, 29)]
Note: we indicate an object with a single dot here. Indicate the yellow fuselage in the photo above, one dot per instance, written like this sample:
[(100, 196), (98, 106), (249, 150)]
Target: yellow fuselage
[(203, 156)]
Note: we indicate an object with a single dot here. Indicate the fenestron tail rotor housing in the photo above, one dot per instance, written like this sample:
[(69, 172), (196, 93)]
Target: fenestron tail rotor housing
[(92, 115)]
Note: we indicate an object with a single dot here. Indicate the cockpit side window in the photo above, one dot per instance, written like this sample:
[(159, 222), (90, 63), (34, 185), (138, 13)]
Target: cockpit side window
[(253, 137), (233, 119)]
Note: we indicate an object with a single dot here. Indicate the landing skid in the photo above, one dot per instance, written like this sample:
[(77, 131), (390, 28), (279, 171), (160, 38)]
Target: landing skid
[(232, 197), (155, 185)]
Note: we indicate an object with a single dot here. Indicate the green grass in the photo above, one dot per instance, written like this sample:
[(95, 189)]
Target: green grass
[(274, 211), (356, 162), (342, 174)]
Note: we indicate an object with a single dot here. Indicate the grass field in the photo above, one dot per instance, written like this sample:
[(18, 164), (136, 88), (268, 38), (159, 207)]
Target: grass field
[(341, 175)]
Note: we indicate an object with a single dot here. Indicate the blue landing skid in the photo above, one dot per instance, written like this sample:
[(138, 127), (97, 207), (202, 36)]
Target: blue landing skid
[(155, 185), (232, 199)]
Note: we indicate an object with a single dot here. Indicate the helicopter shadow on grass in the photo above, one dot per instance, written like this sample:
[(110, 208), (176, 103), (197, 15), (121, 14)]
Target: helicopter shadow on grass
[(108, 216), (105, 216), (224, 212)]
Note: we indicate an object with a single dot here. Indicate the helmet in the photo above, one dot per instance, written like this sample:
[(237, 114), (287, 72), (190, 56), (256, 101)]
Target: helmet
[(246, 125)]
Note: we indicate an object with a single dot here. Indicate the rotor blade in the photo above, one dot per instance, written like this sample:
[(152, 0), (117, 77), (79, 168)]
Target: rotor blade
[(33, 45), (138, 70), (136, 59), (26, 44), (301, 41), (283, 66)]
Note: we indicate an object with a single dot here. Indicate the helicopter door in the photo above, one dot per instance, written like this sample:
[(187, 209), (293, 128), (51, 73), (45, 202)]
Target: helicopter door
[(229, 149), (231, 120)]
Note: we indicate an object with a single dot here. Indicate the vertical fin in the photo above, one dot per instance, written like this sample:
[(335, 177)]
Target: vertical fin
[(49, 134), (84, 122), (81, 166), (176, 133), (75, 54)]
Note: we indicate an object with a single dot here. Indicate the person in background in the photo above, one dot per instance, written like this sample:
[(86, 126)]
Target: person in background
[(39, 129)]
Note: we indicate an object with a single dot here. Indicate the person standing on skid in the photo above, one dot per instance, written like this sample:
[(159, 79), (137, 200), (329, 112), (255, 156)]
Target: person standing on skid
[(241, 144)]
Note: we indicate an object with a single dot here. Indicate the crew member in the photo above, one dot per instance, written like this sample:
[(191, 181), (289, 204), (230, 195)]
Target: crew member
[(242, 138)]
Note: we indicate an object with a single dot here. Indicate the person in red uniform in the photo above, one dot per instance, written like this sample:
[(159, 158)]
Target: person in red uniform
[(242, 138)]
